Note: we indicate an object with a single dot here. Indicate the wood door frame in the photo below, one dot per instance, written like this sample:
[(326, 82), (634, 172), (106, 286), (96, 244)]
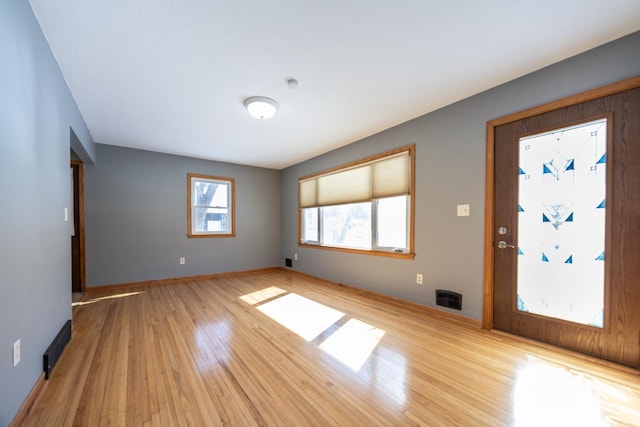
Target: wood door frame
[(80, 219), (489, 220)]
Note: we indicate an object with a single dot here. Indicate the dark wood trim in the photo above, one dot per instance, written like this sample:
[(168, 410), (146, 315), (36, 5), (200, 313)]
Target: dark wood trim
[(611, 89), (81, 222), (589, 95), (487, 292), (22, 416)]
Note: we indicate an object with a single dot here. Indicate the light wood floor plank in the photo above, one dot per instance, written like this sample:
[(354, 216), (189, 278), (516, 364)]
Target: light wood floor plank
[(198, 354)]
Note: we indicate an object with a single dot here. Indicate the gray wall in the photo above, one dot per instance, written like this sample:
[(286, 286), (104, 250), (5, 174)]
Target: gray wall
[(136, 218), (125, 243), (36, 114), (450, 170)]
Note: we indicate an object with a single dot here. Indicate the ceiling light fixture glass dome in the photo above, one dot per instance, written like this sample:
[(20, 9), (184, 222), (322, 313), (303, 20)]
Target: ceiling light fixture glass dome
[(261, 107)]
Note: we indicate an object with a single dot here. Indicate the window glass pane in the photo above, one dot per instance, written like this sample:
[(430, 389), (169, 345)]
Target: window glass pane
[(391, 227), (217, 220), (561, 217), (310, 225), (211, 201), (347, 225), (211, 193), (211, 219), (221, 196)]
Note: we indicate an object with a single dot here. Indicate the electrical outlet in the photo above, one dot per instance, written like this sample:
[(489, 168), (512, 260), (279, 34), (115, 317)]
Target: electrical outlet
[(182, 260), (295, 257), (16, 353), (419, 279)]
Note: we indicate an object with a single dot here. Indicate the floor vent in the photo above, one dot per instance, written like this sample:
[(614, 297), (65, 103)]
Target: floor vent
[(449, 299), (54, 351)]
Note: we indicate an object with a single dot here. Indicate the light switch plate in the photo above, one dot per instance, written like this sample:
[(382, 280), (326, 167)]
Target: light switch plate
[(463, 210), (16, 353)]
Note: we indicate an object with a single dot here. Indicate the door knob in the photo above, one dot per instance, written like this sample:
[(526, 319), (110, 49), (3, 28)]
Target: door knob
[(504, 245)]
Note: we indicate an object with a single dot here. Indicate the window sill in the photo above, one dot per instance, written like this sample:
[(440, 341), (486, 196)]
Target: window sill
[(409, 256), (200, 236)]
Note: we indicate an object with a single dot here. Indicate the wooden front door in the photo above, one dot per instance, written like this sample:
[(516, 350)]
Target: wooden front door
[(565, 231)]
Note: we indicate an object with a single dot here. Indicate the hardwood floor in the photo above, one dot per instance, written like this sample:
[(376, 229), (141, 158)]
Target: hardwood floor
[(209, 352)]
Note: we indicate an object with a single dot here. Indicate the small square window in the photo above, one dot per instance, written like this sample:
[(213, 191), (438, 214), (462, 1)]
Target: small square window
[(211, 206)]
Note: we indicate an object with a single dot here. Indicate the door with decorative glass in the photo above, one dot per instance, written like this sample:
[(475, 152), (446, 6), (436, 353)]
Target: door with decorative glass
[(567, 227)]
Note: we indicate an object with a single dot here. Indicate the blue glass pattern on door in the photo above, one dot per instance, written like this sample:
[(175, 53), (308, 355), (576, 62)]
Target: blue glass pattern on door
[(561, 223)]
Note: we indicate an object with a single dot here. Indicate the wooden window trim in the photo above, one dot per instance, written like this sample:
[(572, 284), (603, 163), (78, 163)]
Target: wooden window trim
[(232, 206), (405, 255)]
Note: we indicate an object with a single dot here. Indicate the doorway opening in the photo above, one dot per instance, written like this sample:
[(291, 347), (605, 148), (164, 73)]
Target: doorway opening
[(78, 275)]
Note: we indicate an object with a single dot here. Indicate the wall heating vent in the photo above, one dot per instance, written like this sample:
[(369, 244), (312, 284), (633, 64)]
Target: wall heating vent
[(54, 351), (288, 262), (449, 299)]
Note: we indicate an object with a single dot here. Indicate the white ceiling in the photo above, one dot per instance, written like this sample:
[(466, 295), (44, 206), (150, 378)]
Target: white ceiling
[(171, 75)]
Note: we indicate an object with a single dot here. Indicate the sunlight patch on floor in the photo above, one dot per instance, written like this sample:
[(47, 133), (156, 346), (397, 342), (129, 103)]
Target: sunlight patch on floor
[(262, 295), (301, 315), (547, 394), (353, 343), (94, 300)]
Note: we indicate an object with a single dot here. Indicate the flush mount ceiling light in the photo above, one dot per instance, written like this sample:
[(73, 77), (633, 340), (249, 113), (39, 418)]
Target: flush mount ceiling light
[(261, 107)]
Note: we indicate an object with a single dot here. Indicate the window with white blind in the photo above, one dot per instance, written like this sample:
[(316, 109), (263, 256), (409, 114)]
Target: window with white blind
[(365, 206)]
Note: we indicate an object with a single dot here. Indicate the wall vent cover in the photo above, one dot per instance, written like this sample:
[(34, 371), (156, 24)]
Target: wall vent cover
[(53, 353), (449, 299)]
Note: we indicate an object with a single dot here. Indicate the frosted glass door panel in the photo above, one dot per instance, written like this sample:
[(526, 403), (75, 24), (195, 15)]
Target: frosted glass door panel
[(561, 223)]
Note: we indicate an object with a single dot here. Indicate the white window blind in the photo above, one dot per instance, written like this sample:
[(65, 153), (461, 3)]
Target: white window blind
[(386, 176)]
